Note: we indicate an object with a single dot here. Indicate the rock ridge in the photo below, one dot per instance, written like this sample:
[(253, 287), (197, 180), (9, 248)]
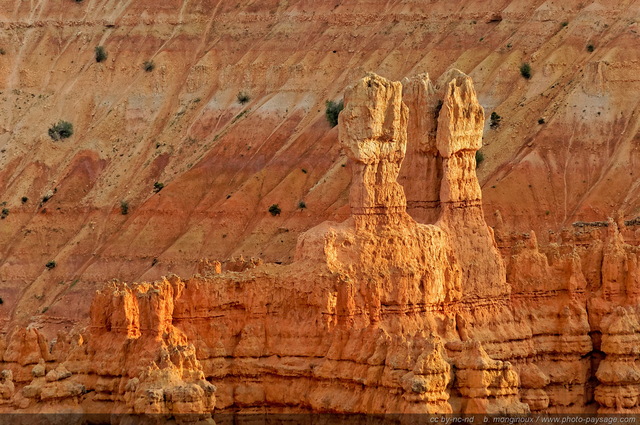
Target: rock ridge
[(405, 307)]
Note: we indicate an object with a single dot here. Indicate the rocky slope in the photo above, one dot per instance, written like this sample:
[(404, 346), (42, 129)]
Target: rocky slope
[(377, 314), (224, 163), (410, 299)]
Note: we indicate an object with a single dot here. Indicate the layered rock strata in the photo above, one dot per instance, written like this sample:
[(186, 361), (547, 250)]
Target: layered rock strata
[(380, 313)]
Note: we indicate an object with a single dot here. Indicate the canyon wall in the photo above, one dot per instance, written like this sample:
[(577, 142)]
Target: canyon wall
[(564, 150), (379, 313)]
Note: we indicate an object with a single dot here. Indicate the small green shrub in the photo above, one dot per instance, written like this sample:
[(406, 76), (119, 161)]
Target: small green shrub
[(61, 130), (157, 187), (332, 111), (275, 210), (525, 70), (302, 205), (101, 54), (564, 24), (4, 214), (243, 98), (148, 66), (124, 207), (2, 51), (51, 265), (240, 115), (479, 158), (24, 199), (541, 121), (590, 47), (495, 120)]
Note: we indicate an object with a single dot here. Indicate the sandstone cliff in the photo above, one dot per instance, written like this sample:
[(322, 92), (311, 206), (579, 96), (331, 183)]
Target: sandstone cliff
[(390, 292), (379, 313), (224, 163)]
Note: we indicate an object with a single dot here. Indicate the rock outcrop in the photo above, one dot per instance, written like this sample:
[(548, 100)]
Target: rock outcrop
[(563, 152), (405, 307)]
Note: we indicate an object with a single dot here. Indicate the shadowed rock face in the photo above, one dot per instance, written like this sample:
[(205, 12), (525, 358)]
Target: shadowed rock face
[(379, 313)]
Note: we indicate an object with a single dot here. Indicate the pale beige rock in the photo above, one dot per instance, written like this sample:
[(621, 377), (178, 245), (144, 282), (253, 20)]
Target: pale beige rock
[(461, 118), (373, 131), (421, 172), (7, 387)]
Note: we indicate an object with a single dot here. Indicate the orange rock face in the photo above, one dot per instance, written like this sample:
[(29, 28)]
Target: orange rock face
[(379, 313), (379, 287), (223, 163)]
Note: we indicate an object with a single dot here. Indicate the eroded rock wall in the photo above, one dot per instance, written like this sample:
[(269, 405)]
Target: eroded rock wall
[(379, 313)]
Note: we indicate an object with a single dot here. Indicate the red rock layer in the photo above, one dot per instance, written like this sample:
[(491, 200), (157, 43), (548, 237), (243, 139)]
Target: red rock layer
[(224, 163), (377, 314)]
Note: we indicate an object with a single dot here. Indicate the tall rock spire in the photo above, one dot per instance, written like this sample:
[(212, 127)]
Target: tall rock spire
[(422, 170), (373, 131)]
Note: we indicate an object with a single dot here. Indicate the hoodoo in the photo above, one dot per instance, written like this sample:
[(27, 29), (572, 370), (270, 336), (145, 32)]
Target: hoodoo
[(405, 307)]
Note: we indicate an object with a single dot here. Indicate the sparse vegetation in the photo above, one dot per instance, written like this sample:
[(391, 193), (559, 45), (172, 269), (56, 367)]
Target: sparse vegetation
[(157, 187), (240, 115), (304, 171), (332, 111), (61, 130), (243, 98), (101, 54), (495, 120), (302, 205), (51, 265), (4, 214), (275, 210), (479, 158), (590, 47), (525, 70), (2, 51), (24, 199), (124, 207), (1, 301), (541, 121), (564, 24), (148, 66)]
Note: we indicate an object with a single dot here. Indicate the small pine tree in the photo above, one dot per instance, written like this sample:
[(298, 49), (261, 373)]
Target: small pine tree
[(101, 54), (243, 98), (332, 111), (275, 210), (61, 130), (495, 120)]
